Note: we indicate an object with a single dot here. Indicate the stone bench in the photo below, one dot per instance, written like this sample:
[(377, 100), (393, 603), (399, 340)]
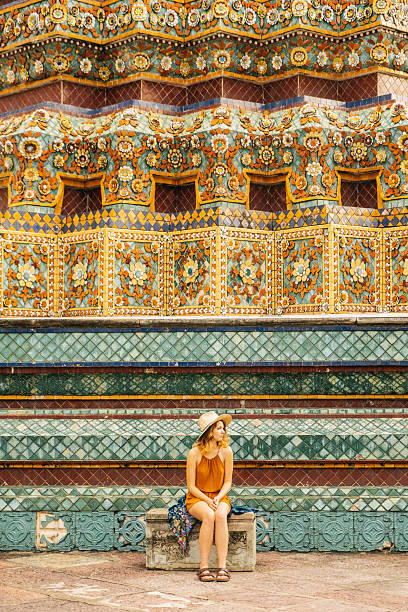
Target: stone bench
[(164, 552)]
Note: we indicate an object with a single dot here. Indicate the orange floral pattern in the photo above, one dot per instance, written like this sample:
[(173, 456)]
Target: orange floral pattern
[(358, 276), (398, 254), (26, 277), (81, 279), (193, 273), (244, 264), (302, 274), (136, 272)]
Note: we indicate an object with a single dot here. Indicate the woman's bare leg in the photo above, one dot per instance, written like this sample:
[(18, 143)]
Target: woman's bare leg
[(203, 513), (221, 533)]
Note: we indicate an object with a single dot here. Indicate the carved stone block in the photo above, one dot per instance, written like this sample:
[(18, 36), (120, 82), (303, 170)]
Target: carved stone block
[(129, 531), (401, 531), (164, 552), (293, 531), (94, 530), (17, 530), (54, 531), (333, 531), (373, 531)]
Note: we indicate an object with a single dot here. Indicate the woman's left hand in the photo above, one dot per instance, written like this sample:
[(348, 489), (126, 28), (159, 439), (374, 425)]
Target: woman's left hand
[(216, 501)]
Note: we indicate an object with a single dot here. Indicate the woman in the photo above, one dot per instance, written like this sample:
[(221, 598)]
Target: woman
[(209, 478)]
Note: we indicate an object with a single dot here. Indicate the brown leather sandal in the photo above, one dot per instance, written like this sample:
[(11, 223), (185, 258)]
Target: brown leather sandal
[(204, 575), (223, 575)]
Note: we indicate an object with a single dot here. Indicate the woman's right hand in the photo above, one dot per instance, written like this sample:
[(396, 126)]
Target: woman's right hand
[(212, 504)]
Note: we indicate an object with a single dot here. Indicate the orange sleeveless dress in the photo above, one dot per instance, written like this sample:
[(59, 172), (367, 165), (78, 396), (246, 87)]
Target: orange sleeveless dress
[(209, 479)]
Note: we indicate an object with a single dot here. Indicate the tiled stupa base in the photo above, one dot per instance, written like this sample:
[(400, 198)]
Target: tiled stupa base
[(96, 423), (319, 483)]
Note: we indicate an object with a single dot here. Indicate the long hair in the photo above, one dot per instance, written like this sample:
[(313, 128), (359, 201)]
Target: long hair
[(204, 441)]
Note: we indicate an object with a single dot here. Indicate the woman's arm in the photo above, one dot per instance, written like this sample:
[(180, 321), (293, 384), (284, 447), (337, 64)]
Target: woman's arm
[(228, 467), (192, 460)]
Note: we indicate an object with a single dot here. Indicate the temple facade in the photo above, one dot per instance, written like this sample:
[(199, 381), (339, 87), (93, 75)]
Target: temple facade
[(204, 206)]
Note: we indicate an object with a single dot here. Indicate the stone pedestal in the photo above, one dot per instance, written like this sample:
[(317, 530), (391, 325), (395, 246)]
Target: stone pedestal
[(164, 552)]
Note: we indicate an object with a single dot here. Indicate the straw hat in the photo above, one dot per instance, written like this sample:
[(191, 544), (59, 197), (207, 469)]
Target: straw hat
[(209, 418)]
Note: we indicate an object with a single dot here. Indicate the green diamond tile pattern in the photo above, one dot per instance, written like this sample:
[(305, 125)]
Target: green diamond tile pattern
[(339, 439), (265, 499), (224, 382), (124, 407), (87, 499), (202, 346)]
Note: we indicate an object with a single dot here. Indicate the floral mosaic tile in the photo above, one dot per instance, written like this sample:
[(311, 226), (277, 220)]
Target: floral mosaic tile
[(217, 258), (192, 270), (247, 265), (101, 25), (221, 149), (359, 270), (302, 271)]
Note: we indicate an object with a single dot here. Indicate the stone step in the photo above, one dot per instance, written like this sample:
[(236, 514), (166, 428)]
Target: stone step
[(337, 439)]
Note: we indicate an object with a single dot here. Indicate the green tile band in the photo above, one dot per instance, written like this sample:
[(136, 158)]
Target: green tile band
[(339, 439), (195, 346), (208, 384), (267, 499)]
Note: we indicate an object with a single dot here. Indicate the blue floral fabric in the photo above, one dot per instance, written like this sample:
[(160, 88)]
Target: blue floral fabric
[(181, 522)]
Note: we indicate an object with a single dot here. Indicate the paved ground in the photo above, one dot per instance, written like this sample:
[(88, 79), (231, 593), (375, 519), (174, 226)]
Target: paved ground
[(84, 581)]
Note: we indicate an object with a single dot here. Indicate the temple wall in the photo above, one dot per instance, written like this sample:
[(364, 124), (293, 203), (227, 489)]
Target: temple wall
[(203, 206)]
